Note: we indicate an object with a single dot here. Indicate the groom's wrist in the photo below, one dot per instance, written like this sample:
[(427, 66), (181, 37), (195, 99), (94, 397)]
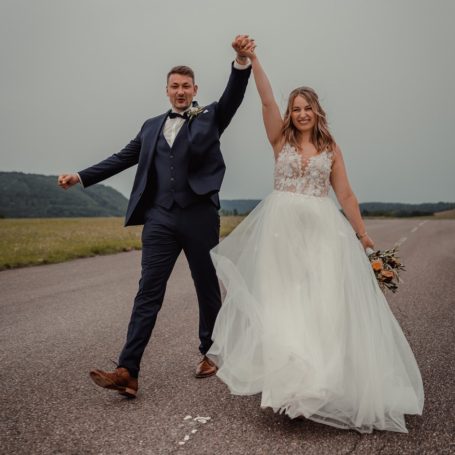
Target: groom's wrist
[(241, 63), (80, 180)]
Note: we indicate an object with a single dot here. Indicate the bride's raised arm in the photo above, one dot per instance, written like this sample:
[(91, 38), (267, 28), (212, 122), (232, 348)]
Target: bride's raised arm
[(273, 121)]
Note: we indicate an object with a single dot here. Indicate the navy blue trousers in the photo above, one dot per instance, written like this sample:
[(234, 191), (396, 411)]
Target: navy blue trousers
[(195, 230)]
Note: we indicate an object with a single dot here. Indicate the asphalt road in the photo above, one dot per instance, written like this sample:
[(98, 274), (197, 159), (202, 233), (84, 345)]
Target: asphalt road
[(59, 321)]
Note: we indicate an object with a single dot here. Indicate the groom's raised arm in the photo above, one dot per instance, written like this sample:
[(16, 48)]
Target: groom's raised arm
[(234, 92)]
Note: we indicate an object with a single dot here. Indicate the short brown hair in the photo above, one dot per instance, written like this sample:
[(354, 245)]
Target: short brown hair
[(181, 69)]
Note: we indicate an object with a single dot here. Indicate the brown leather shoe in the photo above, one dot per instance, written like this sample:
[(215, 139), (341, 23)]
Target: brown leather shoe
[(120, 380), (205, 368)]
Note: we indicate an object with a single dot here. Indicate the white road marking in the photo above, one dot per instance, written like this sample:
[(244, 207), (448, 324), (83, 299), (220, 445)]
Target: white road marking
[(401, 241), (414, 229)]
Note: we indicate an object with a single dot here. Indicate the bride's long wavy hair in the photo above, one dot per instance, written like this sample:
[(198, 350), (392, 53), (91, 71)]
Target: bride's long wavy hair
[(322, 139)]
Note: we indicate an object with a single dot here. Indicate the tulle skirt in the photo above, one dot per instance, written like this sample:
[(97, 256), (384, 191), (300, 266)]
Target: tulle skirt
[(304, 322)]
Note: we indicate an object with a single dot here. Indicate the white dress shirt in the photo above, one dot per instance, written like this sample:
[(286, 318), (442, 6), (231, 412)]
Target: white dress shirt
[(172, 127)]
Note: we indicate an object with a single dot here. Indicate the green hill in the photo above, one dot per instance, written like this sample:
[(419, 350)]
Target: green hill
[(393, 209), (238, 206), (389, 209), (38, 196)]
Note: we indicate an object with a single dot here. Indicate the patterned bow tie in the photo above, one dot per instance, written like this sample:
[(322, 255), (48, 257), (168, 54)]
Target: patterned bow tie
[(176, 114)]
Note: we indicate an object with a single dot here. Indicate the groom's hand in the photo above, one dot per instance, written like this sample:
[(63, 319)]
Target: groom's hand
[(244, 46), (65, 181)]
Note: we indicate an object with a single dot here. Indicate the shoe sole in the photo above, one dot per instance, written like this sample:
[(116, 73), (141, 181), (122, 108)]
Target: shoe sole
[(106, 383), (204, 375), (129, 393)]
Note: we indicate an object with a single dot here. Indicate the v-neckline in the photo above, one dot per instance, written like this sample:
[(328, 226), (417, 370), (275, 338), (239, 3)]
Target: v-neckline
[(305, 162)]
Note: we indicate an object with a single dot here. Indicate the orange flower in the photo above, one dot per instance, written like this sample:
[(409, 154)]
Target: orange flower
[(386, 266), (388, 275)]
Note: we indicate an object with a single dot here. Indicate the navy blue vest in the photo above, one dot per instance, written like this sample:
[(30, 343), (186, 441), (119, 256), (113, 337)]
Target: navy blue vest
[(170, 173)]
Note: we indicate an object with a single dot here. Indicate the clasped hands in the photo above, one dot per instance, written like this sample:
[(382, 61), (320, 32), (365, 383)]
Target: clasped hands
[(244, 46)]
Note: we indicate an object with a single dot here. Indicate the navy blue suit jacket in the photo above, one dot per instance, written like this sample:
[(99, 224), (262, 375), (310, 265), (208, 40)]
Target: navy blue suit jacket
[(206, 164)]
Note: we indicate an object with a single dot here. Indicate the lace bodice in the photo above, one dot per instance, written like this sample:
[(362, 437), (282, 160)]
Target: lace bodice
[(296, 174)]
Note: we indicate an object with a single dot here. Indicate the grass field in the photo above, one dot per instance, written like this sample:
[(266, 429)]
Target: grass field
[(446, 215), (37, 241)]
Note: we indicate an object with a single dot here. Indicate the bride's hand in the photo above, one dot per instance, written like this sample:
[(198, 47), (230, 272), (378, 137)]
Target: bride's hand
[(367, 242)]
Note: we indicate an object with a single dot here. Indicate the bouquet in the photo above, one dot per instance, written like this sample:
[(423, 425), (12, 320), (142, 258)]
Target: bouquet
[(387, 267)]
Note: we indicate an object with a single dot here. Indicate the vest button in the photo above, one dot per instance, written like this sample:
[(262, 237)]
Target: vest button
[(172, 179), (172, 168), (171, 156)]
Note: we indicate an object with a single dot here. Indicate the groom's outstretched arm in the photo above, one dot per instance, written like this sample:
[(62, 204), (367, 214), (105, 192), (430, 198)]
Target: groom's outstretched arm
[(234, 92), (118, 162)]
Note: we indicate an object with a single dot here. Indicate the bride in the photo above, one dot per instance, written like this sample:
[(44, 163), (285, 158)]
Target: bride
[(304, 322)]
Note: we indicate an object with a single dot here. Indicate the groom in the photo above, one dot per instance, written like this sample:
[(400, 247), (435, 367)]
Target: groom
[(175, 195)]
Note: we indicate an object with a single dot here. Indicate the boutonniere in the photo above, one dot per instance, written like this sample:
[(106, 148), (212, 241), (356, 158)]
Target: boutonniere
[(194, 111)]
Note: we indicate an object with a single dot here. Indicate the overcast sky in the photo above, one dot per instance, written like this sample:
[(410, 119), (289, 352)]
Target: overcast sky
[(78, 79)]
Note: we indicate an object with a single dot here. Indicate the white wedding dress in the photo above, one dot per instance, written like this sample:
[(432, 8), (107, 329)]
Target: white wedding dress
[(304, 321)]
